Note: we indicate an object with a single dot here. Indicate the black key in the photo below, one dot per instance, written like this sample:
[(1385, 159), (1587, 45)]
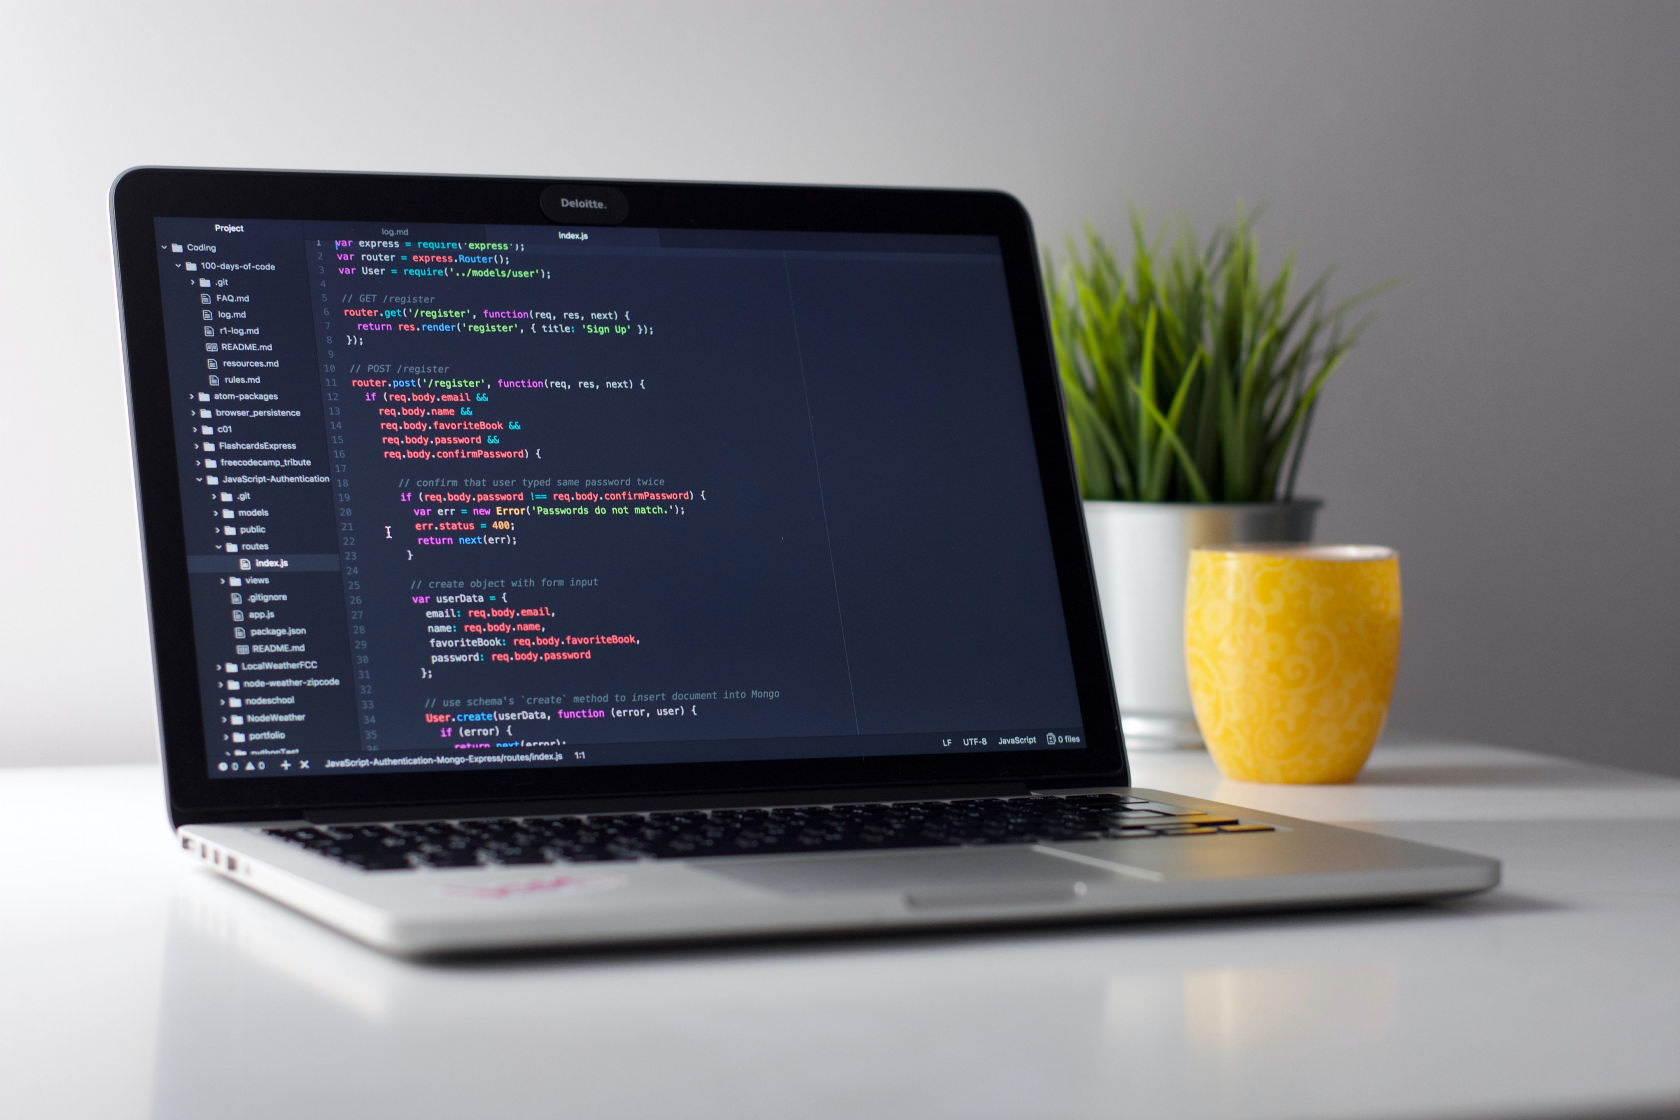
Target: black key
[(376, 861), (511, 854), (450, 857), (308, 837), (680, 847)]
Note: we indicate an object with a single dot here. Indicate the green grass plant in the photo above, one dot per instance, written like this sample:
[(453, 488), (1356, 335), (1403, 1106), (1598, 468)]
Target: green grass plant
[(1189, 376)]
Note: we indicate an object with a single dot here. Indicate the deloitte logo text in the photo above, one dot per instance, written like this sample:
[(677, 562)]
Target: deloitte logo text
[(585, 204)]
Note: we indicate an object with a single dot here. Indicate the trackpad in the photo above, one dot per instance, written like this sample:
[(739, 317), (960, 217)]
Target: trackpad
[(926, 879)]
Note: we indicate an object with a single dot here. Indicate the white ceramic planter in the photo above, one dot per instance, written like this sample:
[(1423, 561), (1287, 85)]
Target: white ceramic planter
[(1141, 551)]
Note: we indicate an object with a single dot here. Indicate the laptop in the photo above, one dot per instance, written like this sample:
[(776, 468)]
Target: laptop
[(563, 563)]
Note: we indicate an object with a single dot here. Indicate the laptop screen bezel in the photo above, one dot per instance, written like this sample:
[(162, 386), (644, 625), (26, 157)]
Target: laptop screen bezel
[(142, 195)]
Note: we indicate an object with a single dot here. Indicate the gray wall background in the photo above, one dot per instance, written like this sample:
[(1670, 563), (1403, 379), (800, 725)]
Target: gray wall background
[(1509, 423)]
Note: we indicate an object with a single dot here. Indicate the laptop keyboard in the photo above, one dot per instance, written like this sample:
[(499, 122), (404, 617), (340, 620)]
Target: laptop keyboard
[(696, 834)]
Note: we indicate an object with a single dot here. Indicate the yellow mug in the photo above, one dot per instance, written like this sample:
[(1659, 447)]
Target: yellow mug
[(1291, 652)]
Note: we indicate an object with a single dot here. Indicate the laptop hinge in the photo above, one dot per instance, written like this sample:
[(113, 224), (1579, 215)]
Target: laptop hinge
[(653, 803)]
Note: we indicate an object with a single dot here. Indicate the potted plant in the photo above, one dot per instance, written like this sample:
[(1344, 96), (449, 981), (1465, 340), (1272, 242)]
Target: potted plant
[(1190, 381)]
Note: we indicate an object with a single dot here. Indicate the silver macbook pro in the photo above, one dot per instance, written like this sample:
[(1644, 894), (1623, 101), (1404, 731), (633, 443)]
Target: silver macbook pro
[(574, 563)]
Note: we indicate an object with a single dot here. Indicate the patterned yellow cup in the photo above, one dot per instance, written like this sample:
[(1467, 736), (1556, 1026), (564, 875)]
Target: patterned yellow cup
[(1291, 651)]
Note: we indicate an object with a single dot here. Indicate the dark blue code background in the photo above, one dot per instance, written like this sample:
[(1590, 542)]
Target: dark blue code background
[(461, 496)]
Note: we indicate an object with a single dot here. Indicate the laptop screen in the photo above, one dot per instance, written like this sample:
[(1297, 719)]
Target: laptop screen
[(488, 497)]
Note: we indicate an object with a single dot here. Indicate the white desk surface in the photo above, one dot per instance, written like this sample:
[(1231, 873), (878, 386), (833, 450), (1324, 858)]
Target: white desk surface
[(132, 984)]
